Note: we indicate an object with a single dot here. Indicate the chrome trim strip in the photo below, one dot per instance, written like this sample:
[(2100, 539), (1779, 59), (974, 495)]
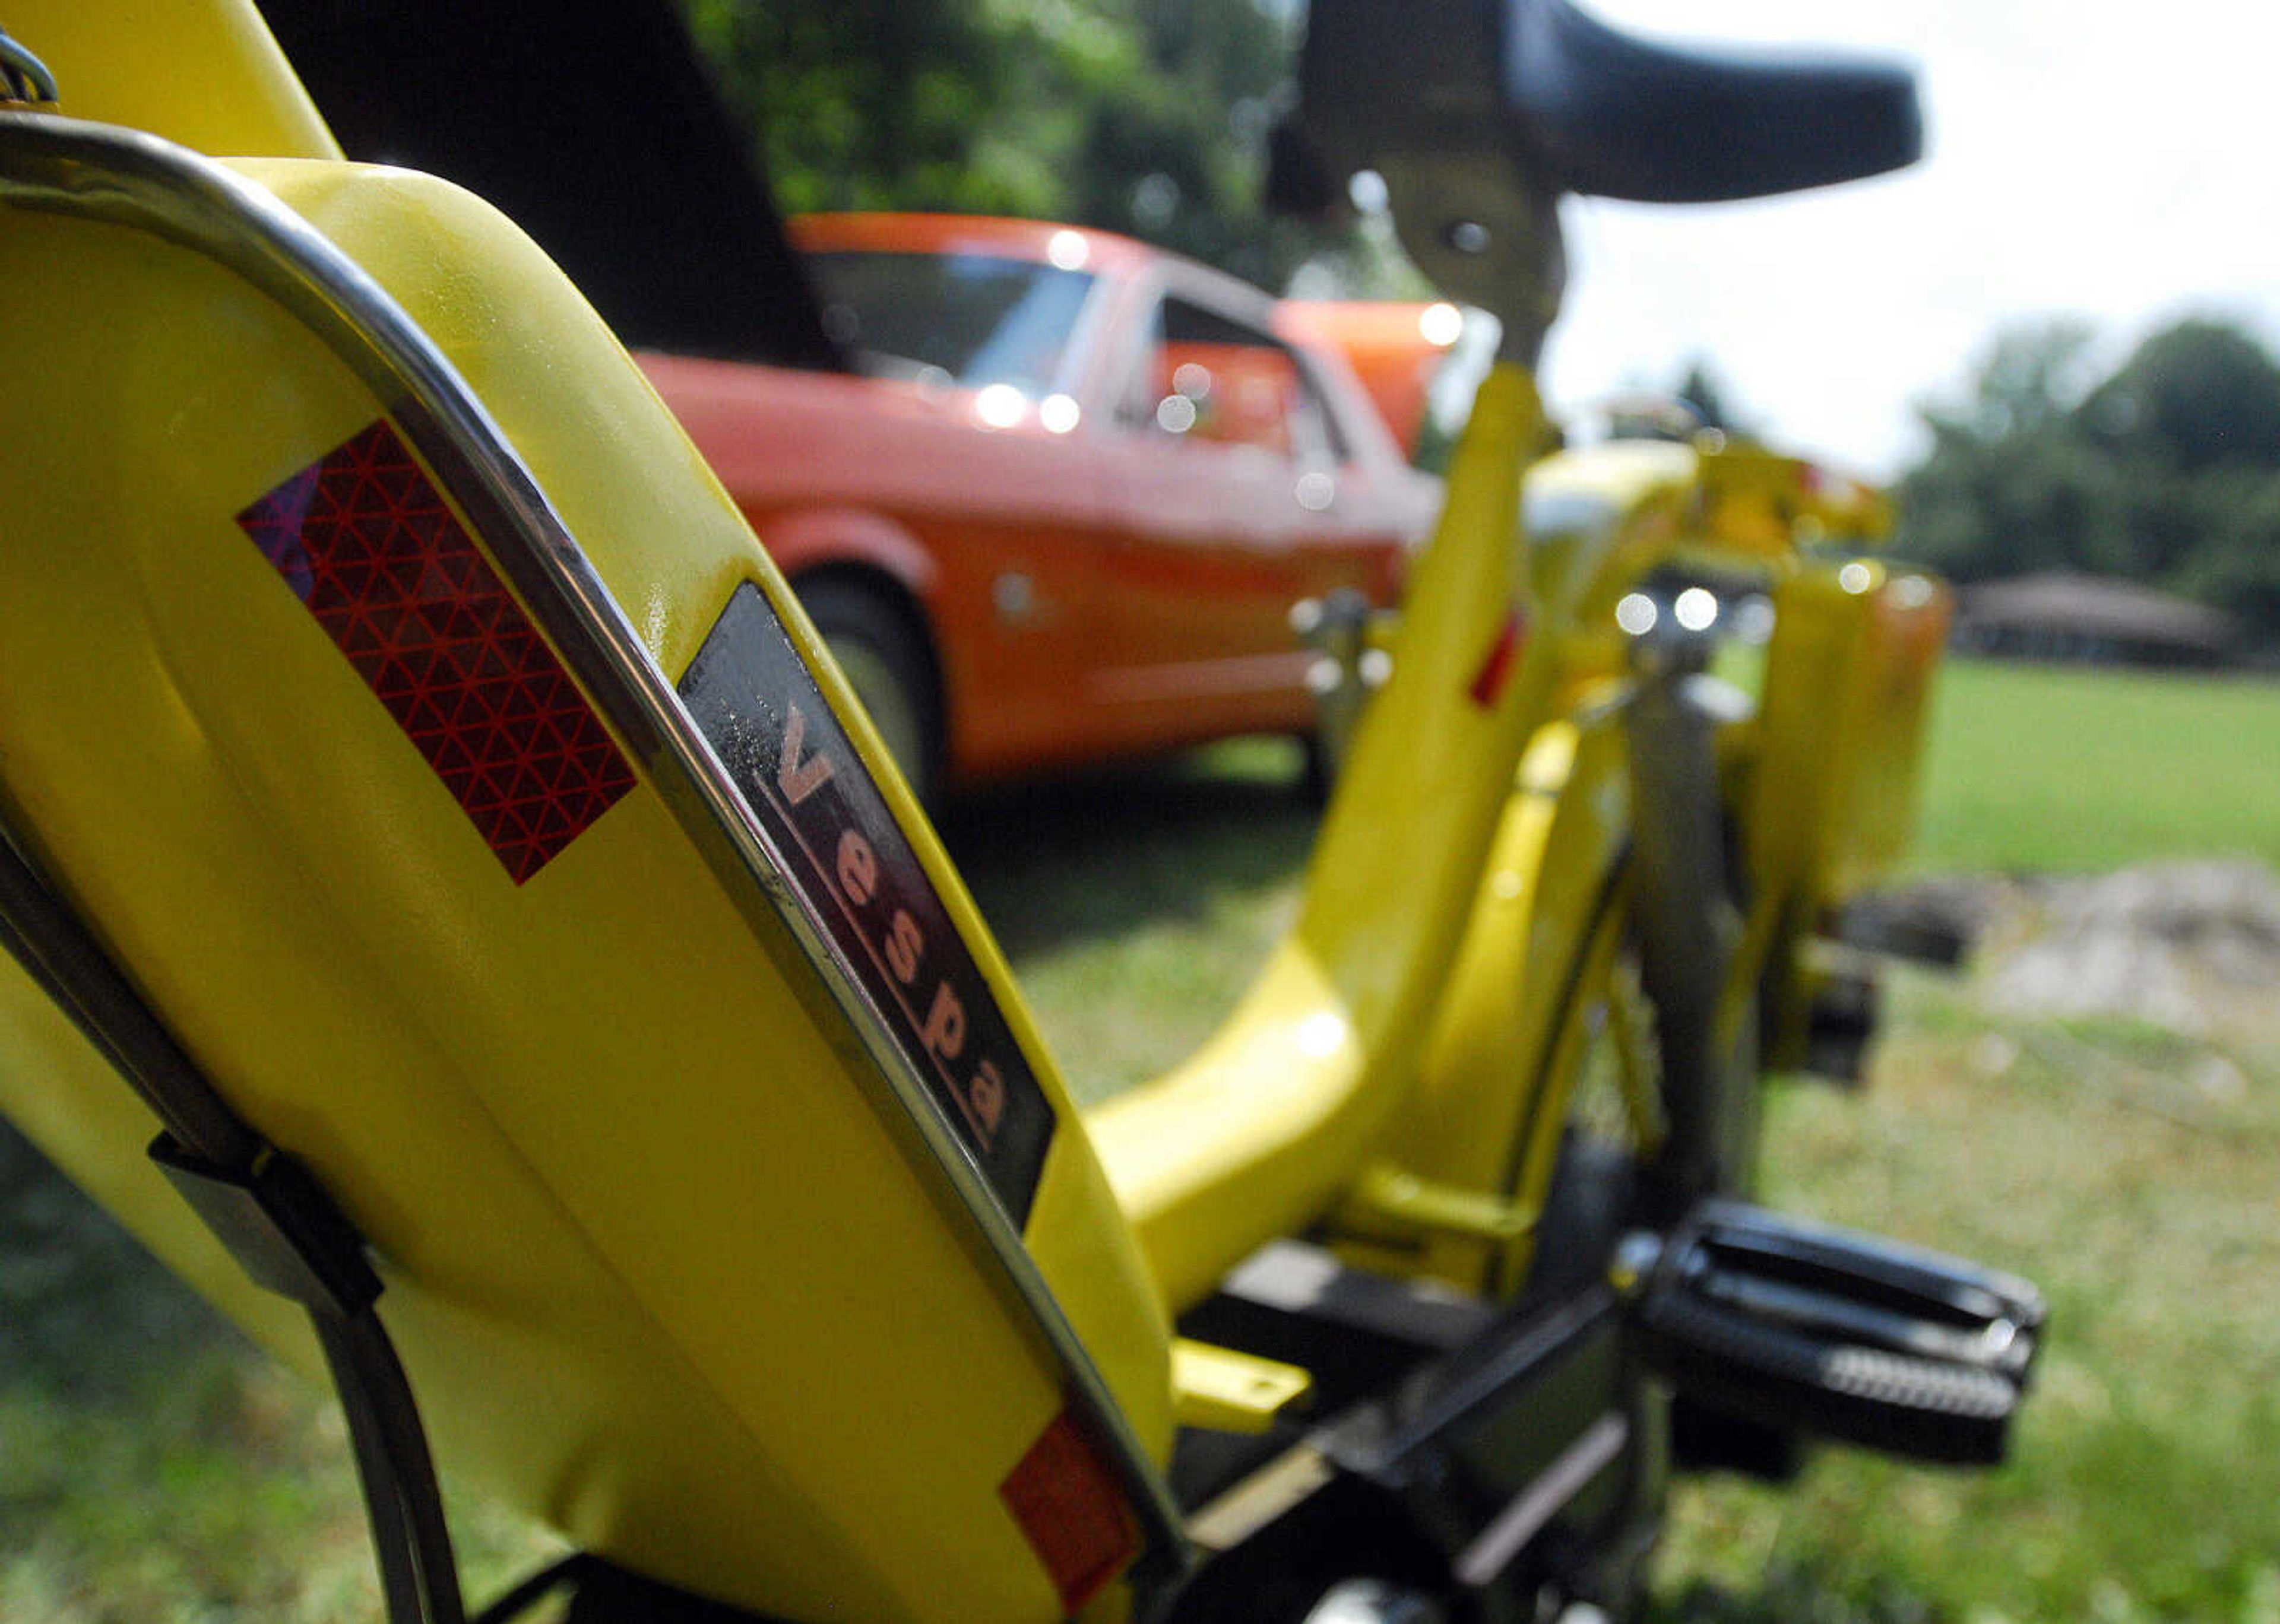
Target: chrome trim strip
[(1080, 357), (1232, 676), (137, 181), (23, 76)]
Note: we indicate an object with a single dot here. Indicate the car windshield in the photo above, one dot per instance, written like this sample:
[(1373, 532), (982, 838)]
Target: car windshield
[(972, 320)]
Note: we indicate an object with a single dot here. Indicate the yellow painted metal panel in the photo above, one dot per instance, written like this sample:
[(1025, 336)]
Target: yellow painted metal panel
[(657, 1273), (1229, 1391), (1281, 1107), (203, 72)]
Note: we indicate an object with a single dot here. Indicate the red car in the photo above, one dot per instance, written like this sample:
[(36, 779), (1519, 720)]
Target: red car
[(1063, 512), (1396, 351)]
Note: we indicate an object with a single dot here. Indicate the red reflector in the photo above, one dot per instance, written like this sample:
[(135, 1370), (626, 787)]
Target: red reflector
[(1495, 670), (1072, 1511), (367, 543)]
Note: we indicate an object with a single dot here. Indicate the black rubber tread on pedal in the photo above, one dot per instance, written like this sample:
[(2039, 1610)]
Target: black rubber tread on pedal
[(1844, 1335)]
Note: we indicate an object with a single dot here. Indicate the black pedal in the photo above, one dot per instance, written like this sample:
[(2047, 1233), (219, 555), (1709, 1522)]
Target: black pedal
[(1802, 1327), (1925, 927), (1839, 1024)]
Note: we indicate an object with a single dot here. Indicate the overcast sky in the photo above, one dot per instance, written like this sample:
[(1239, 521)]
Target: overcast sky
[(2121, 164)]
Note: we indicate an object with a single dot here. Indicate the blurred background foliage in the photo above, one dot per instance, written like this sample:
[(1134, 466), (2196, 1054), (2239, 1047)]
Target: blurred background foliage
[(1148, 117), (2164, 470), (1151, 117)]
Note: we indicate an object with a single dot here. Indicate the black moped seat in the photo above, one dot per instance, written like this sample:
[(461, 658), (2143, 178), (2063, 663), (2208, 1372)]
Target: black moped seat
[(1586, 107), (1622, 116)]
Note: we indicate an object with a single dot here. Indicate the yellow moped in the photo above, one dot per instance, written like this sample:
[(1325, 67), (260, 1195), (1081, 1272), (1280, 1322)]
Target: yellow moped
[(422, 802)]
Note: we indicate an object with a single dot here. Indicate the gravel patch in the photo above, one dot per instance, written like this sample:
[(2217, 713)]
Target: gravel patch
[(2193, 947)]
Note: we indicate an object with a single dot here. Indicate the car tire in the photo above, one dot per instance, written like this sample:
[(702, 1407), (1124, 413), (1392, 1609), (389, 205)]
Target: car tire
[(883, 656), (1318, 769)]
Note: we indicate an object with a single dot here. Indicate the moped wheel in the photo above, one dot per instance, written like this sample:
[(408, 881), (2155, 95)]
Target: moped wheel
[(1722, 1160), (1607, 1076), (1619, 1166)]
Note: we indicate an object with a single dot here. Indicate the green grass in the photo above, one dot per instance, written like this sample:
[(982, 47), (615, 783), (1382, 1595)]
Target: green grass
[(152, 1466), (2146, 1476), (2053, 768), (1136, 904)]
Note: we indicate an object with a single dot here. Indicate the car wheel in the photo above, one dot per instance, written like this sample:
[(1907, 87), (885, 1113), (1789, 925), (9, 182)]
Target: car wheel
[(1318, 769), (878, 649)]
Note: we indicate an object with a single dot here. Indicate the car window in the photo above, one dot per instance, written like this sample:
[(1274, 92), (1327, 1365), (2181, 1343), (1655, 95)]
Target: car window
[(1204, 379), (968, 320)]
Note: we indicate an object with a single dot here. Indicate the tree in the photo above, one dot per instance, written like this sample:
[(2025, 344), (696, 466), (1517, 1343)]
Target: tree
[(2167, 471), (913, 103), (2029, 381), (1148, 117), (1177, 154), (2239, 567), (2008, 488), (1699, 387), (2197, 396)]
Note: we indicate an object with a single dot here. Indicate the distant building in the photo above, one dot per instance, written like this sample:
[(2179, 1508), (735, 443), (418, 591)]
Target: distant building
[(2092, 619)]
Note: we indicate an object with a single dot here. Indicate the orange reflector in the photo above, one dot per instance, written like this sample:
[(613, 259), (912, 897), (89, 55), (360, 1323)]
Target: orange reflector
[(1073, 1513)]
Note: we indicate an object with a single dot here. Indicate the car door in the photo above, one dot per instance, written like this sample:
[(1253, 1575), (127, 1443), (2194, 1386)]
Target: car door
[(1228, 497)]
